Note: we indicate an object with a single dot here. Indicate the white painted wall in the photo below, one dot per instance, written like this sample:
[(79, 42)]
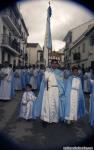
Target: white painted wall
[(88, 49), (13, 36), (77, 32), (32, 54)]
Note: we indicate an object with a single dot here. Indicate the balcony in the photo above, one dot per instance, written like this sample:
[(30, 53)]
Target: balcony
[(9, 43), (76, 56), (11, 20)]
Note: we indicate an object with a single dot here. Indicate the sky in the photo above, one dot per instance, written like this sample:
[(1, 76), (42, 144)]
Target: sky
[(65, 16)]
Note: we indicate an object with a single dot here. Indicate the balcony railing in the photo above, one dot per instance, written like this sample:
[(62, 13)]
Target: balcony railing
[(6, 40), (8, 12)]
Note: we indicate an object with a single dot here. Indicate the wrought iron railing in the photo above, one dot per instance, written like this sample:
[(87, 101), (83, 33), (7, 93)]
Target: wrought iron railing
[(9, 12), (8, 41)]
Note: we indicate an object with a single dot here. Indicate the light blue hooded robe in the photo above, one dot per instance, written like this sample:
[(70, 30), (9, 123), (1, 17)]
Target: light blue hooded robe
[(91, 116)]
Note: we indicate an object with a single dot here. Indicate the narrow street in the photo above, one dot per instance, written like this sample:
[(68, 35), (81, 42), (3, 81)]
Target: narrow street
[(33, 133), (53, 41)]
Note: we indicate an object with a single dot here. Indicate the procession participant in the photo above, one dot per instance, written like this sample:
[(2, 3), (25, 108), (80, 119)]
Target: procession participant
[(28, 98), (33, 79), (74, 103), (39, 77), (38, 74), (50, 98), (12, 82), (27, 75), (87, 77), (81, 75), (23, 77), (18, 78), (79, 70), (31, 71), (91, 110), (92, 73), (6, 82), (67, 72)]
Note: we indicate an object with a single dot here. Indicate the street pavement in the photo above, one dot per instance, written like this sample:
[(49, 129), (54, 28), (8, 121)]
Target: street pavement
[(32, 133)]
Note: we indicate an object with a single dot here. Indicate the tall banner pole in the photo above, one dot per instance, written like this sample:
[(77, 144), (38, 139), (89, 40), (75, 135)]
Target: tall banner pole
[(48, 38)]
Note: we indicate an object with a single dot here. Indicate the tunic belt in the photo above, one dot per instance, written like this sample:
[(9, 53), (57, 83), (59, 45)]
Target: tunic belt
[(53, 86)]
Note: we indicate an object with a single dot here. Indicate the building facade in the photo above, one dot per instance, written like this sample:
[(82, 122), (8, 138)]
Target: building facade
[(71, 38), (57, 56), (34, 53), (13, 36), (82, 52)]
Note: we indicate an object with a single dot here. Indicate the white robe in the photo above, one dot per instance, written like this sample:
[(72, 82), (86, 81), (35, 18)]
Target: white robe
[(33, 80), (18, 85), (50, 105), (27, 105), (5, 86), (87, 77), (74, 99)]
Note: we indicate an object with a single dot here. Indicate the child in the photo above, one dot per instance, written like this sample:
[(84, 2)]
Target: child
[(27, 103)]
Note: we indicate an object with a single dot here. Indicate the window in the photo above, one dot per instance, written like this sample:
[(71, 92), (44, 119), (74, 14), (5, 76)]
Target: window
[(83, 49)]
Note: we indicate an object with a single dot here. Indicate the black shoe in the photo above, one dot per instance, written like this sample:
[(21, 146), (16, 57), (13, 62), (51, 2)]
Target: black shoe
[(44, 124)]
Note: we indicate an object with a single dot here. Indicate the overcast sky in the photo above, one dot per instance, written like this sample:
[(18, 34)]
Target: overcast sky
[(65, 16)]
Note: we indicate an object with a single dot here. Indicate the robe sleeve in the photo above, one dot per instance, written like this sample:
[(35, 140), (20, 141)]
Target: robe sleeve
[(46, 75), (10, 74), (33, 97), (24, 101), (91, 82)]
